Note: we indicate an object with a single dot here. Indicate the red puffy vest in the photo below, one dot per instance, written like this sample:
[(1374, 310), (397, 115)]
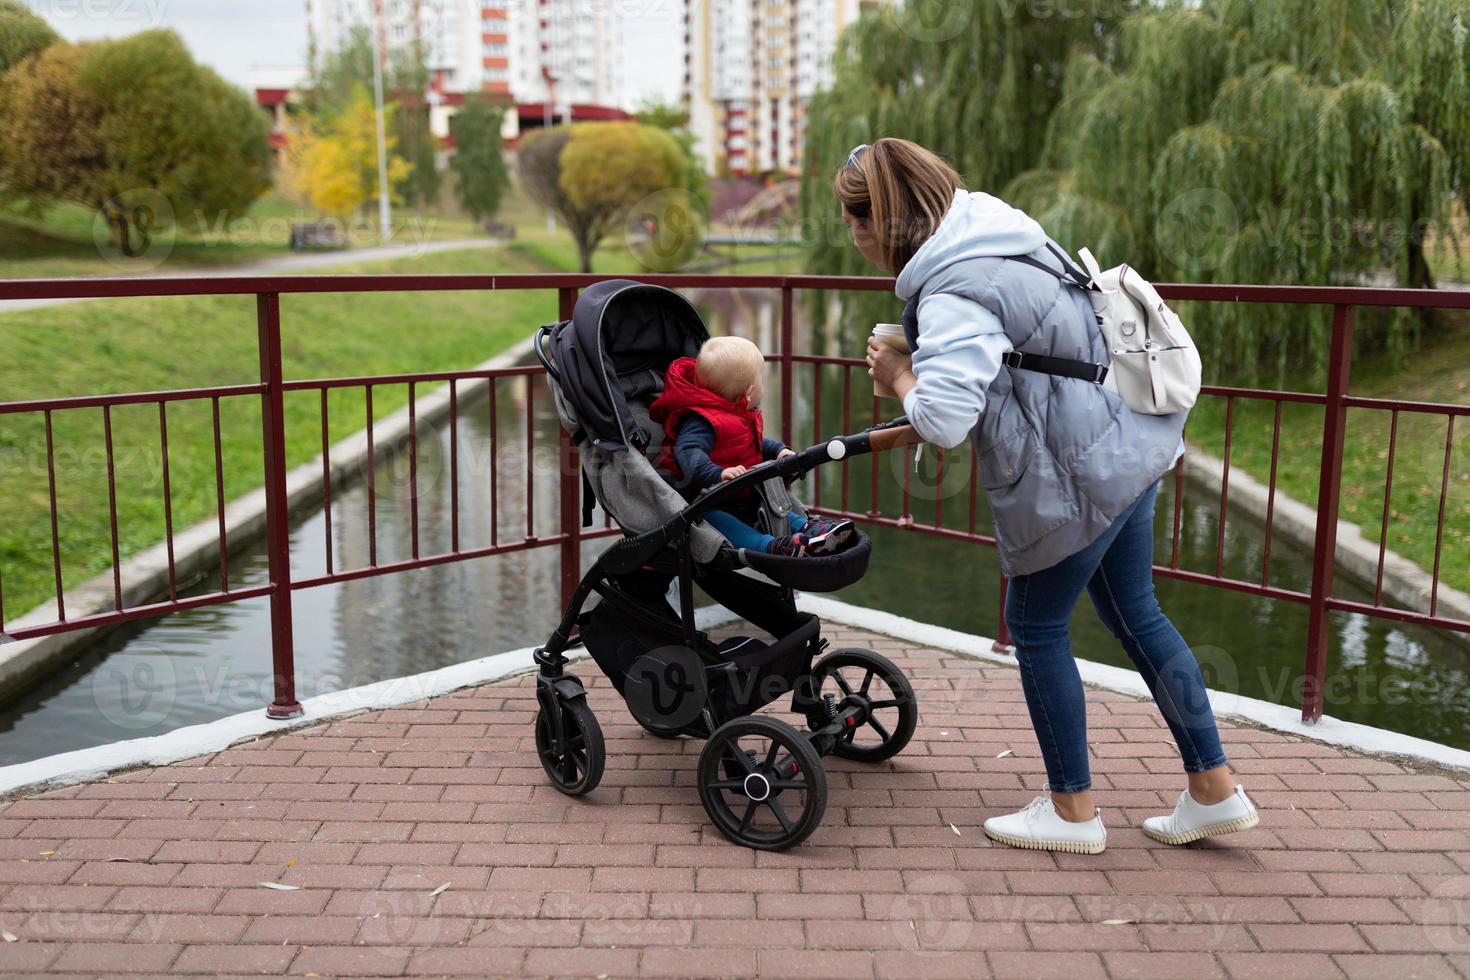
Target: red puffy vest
[(738, 427)]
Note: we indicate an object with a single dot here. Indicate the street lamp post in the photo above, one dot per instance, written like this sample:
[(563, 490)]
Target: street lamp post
[(385, 215), (547, 119)]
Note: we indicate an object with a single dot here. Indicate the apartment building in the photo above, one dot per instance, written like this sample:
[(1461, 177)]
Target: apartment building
[(750, 70)]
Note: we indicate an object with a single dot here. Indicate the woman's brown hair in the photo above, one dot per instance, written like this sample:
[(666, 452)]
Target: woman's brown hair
[(901, 191)]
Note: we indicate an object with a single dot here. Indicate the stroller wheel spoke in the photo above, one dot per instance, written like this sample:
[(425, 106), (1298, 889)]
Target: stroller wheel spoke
[(750, 809), (878, 727), (867, 680), (770, 763), (797, 784), (734, 785), (842, 682), (780, 813), (890, 703)]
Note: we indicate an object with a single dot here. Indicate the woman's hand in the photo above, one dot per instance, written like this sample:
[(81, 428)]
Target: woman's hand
[(731, 472), (788, 451), (888, 367)]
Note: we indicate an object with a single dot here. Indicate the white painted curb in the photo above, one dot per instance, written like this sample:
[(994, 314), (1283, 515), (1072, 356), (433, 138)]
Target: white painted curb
[(196, 740), (215, 736), (1333, 731)]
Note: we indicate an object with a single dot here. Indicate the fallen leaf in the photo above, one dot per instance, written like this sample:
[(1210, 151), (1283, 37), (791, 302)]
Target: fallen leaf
[(277, 886), (440, 890), (944, 733), (1006, 753), (1116, 922), (955, 829), (291, 863), (9, 937), (47, 853)]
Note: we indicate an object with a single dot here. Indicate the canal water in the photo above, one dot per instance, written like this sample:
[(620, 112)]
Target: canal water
[(205, 664)]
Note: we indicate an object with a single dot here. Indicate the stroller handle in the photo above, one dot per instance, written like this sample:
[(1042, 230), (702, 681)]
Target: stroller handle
[(877, 439), (538, 339)]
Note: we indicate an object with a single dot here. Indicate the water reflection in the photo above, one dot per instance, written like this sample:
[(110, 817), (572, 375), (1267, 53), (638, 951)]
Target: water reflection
[(208, 663)]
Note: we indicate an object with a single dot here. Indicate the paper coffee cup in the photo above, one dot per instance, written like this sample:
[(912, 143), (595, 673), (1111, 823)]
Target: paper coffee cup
[(893, 335)]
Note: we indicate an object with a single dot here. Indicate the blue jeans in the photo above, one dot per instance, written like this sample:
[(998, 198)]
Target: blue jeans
[(1117, 571), (742, 535)]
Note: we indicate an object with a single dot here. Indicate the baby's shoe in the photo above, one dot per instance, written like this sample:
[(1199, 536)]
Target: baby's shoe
[(790, 546), (1190, 820), (1041, 828), (824, 536)]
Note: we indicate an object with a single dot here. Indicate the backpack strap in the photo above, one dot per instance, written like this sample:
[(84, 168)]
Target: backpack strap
[(1070, 274)]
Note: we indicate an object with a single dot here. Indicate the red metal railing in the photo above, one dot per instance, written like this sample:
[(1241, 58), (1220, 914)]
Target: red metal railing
[(273, 386)]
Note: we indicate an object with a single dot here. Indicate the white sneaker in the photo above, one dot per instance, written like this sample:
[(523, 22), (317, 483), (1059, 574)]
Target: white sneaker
[(1190, 820), (1040, 827)]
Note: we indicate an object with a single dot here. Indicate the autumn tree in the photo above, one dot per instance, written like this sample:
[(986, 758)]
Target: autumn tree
[(345, 71), (96, 122), (591, 174), (22, 34), (334, 165), (481, 175)]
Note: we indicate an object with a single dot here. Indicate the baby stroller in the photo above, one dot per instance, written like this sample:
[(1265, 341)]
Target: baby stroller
[(760, 779)]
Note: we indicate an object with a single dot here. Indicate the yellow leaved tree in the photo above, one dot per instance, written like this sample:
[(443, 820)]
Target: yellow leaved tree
[(335, 169)]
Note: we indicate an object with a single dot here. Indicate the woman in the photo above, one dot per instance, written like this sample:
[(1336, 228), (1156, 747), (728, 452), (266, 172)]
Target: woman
[(1005, 351)]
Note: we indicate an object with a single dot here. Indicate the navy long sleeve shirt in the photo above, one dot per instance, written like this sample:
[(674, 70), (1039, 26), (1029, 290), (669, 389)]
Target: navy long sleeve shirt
[(692, 448)]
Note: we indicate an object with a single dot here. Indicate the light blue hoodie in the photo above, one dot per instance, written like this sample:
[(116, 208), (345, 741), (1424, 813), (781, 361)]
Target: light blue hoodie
[(963, 341)]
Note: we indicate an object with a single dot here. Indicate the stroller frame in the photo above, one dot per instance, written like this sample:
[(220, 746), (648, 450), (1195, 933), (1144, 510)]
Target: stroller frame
[(569, 740)]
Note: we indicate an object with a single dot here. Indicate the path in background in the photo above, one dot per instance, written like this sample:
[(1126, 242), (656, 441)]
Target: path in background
[(286, 263)]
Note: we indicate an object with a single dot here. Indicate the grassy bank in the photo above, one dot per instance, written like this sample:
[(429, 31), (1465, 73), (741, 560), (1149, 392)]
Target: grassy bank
[(155, 344), (1439, 373)]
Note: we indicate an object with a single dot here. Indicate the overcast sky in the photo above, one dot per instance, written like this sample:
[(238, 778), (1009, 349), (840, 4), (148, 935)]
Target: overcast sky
[(232, 36)]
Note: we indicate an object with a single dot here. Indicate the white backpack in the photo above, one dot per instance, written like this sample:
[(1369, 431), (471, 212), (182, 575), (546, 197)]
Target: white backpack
[(1154, 365)]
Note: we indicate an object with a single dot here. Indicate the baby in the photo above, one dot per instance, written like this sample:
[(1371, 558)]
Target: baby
[(713, 432)]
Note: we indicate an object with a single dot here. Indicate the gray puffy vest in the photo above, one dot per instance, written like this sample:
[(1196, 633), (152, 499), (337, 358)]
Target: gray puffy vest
[(1059, 458)]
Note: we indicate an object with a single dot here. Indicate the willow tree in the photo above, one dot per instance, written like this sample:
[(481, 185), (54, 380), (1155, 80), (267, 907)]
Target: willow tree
[(973, 79), (1296, 141)]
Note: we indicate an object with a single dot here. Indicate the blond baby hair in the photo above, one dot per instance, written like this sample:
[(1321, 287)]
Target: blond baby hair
[(729, 366)]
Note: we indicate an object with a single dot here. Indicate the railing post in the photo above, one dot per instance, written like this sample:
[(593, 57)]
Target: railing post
[(571, 487), (787, 333), (1324, 560), (277, 523), (1003, 642)]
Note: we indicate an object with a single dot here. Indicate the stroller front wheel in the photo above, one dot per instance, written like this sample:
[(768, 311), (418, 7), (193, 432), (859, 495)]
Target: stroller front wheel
[(573, 757), (886, 711), (762, 783)]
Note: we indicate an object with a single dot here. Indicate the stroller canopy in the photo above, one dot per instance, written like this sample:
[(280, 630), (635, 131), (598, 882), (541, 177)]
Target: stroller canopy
[(620, 327)]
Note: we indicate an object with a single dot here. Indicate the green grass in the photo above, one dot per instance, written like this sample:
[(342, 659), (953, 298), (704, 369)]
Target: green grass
[(60, 242), (163, 343), (1439, 373)]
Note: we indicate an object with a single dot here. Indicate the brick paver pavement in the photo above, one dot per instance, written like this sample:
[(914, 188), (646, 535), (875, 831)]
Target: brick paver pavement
[(426, 840)]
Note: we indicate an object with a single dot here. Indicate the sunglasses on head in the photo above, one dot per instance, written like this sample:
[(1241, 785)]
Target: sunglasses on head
[(853, 156)]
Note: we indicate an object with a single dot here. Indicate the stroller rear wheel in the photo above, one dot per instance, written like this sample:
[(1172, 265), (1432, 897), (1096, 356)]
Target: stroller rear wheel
[(762, 783), (575, 760), (887, 714)]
